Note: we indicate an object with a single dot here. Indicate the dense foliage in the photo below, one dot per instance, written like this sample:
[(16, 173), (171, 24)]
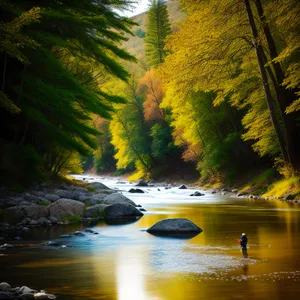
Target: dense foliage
[(54, 58), (219, 87)]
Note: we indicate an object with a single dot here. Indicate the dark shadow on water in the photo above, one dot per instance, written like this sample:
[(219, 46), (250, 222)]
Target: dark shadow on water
[(121, 221), (182, 236)]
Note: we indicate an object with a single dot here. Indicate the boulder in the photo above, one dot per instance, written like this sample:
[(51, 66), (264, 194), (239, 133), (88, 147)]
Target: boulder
[(24, 290), (95, 211), (178, 226), (121, 210), (242, 194), (38, 193), (76, 195), (12, 215), (84, 197), (33, 199), (52, 219), (35, 211), (79, 233), (53, 244), (142, 183), (43, 221), (63, 194), (43, 295), (25, 221), (98, 197), (33, 222), (18, 213), (99, 186), (6, 246), (65, 208), (4, 286), (139, 191), (197, 194), (182, 187), (52, 197), (117, 198)]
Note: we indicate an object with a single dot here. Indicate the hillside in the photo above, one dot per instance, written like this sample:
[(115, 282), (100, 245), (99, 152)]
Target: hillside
[(135, 44)]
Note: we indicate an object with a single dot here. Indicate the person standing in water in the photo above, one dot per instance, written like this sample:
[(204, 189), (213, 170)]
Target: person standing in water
[(243, 241)]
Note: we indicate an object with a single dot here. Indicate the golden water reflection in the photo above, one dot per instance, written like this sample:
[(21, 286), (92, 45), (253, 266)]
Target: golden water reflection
[(125, 262)]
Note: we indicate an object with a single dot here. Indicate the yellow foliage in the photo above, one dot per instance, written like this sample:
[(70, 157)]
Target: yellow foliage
[(283, 187), (12, 39)]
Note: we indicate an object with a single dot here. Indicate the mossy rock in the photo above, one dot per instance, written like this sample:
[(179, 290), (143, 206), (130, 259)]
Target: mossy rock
[(72, 219)]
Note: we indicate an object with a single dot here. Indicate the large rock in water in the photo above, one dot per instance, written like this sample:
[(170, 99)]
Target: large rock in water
[(117, 198), (176, 226), (65, 208), (121, 210), (138, 191), (182, 187), (142, 183)]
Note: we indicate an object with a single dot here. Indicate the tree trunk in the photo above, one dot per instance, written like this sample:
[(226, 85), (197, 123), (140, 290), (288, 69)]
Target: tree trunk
[(284, 96), (264, 77)]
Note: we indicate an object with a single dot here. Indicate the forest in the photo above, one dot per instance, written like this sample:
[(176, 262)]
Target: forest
[(209, 88)]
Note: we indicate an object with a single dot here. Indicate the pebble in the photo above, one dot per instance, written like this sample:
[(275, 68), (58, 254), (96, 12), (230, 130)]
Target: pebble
[(5, 246), (65, 236), (79, 233), (53, 244)]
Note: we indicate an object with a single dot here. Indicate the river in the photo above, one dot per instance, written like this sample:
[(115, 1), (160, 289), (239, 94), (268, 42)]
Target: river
[(124, 262)]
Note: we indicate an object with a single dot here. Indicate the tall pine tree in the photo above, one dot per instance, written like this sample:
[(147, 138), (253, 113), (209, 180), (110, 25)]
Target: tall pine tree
[(158, 28), (50, 73)]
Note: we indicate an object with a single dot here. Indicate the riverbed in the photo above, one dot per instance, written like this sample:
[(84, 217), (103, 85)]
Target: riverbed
[(124, 262)]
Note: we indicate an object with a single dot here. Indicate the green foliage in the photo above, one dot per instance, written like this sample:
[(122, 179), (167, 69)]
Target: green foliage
[(162, 143), (140, 33), (51, 78), (72, 219), (43, 203), (158, 28), (19, 164), (260, 183)]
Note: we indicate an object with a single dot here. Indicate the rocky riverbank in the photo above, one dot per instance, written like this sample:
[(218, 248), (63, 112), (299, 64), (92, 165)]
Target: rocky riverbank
[(51, 204), (22, 293)]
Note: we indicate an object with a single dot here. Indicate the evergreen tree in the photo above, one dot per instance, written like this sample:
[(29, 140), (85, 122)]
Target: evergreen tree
[(158, 28), (51, 75)]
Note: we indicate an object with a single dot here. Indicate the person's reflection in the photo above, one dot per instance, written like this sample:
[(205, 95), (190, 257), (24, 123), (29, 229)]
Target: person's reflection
[(245, 262), (245, 269)]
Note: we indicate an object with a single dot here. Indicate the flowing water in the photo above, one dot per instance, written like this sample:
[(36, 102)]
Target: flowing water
[(124, 262)]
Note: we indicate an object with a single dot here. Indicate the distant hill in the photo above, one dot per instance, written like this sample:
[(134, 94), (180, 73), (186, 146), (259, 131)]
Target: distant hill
[(135, 44)]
